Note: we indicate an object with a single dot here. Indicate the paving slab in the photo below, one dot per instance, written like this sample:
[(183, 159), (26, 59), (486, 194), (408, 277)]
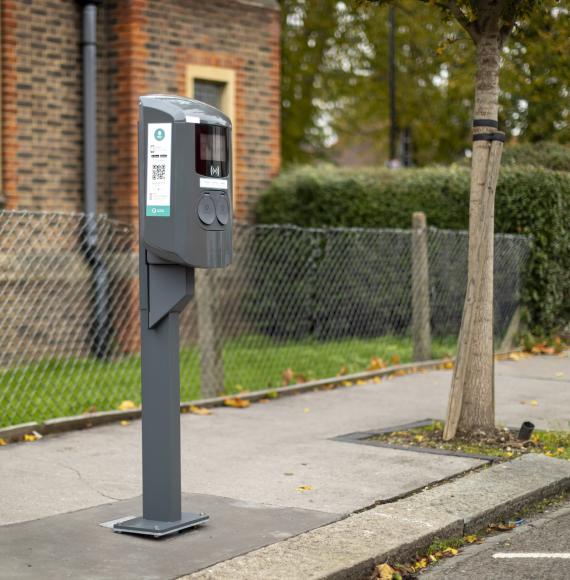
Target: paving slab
[(74, 545)]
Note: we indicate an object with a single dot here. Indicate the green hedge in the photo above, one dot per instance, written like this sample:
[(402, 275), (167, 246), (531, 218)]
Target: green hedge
[(530, 200), (545, 154)]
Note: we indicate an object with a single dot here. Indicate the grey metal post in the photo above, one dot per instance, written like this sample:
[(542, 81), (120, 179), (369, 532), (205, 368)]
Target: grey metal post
[(165, 291), (392, 81), (161, 418), (421, 333)]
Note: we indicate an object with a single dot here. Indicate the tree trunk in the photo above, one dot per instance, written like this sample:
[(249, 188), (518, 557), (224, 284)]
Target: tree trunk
[(472, 399)]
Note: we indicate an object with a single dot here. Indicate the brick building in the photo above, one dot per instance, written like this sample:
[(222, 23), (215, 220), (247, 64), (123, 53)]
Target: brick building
[(223, 51)]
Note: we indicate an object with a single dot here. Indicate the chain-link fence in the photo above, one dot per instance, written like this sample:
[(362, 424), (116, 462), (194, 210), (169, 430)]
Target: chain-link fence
[(295, 305)]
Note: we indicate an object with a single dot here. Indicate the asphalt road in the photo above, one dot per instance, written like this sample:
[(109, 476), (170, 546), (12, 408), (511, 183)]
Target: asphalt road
[(548, 534)]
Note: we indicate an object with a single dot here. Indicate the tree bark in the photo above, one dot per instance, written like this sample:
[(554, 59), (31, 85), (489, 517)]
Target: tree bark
[(472, 400)]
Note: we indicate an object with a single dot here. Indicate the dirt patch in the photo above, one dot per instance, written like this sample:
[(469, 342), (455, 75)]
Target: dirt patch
[(501, 443)]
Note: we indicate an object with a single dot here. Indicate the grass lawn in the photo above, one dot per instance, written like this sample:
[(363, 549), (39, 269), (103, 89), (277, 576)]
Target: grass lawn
[(72, 386)]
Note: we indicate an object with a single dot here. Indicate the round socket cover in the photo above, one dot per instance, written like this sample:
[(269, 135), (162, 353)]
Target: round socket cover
[(206, 210), (223, 209)]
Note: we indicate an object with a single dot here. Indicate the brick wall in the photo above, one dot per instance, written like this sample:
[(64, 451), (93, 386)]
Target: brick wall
[(144, 47), (42, 106)]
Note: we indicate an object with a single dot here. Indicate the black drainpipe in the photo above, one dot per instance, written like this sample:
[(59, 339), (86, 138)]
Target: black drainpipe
[(100, 329)]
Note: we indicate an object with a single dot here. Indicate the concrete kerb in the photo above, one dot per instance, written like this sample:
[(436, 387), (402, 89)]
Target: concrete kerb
[(349, 548), (88, 420)]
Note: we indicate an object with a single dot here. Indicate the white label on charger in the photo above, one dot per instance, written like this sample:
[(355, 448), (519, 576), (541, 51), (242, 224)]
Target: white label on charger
[(208, 183), (159, 154)]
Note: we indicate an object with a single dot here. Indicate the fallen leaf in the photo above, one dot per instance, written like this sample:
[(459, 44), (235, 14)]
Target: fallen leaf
[(376, 364), (471, 539), (263, 401), (200, 410), (399, 373), (419, 438), (306, 410), (346, 383), (124, 423), (3, 442), (421, 564), (272, 395), (501, 527), (542, 348), (451, 551), (360, 382), (300, 379), (377, 380), (237, 402), (385, 571), (395, 359), (30, 437), (343, 371), (305, 488), (288, 375), (534, 403), (127, 406)]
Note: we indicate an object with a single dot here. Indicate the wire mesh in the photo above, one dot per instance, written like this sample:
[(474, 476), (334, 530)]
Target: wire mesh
[(296, 304)]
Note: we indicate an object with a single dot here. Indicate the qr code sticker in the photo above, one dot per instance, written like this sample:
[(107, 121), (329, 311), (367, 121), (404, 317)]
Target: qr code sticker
[(159, 172)]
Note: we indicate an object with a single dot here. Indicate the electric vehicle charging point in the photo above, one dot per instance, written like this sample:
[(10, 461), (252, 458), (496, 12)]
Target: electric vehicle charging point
[(185, 222)]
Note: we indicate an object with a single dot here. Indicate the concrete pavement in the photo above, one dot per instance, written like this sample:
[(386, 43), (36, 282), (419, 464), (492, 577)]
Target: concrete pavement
[(265, 453)]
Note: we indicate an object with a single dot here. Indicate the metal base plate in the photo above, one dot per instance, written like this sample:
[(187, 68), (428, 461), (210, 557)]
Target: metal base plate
[(157, 528)]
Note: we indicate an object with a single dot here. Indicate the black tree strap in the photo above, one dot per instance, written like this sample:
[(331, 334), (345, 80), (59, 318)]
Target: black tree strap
[(489, 137), (485, 123)]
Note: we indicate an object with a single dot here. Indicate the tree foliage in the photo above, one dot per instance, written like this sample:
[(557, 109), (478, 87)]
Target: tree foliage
[(338, 86)]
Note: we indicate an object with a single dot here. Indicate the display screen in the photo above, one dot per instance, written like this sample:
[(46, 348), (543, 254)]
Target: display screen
[(211, 150)]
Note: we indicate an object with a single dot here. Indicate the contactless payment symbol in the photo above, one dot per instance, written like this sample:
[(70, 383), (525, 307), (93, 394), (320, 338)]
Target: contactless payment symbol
[(159, 134)]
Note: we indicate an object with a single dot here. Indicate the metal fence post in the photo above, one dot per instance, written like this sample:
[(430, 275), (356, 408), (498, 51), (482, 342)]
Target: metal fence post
[(211, 349), (421, 334)]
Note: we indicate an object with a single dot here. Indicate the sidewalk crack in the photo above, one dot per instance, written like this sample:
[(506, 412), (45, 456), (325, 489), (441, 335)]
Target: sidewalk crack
[(86, 482)]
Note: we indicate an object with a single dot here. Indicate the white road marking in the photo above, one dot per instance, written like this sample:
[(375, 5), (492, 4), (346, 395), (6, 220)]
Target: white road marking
[(563, 555)]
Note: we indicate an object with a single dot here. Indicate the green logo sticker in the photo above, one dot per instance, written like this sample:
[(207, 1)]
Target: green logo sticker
[(157, 211), (159, 134)]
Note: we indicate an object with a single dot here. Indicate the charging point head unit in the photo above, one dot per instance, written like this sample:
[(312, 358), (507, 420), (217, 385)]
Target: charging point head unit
[(185, 164)]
